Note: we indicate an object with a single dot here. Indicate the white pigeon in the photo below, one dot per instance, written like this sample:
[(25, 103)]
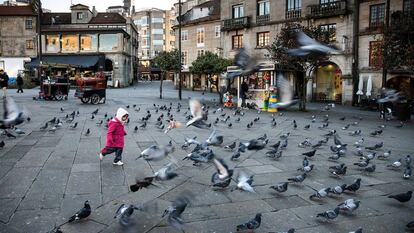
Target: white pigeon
[(244, 183), (285, 93), (199, 116)]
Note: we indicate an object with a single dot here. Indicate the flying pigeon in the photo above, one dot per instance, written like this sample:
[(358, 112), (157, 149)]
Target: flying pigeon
[(244, 182), (309, 46), (247, 64), (222, 177), (124, 212), (199, 116), (214, 139), (285, 91), (82, 213), (176, 209)]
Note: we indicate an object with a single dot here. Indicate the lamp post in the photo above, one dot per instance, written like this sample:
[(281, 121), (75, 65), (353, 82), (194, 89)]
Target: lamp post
[(179, 49)]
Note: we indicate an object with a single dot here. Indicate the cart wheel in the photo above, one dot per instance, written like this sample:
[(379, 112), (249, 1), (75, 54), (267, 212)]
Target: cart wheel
[(58, 95), (85, 100), (95, 99)]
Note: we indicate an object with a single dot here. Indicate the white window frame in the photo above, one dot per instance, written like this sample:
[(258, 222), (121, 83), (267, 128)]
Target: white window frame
[(184, 35), (217, 31), (184, 57), (201, 34)]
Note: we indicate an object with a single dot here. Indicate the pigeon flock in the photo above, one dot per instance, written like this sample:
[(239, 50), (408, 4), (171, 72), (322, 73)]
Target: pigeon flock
[(211, 141)]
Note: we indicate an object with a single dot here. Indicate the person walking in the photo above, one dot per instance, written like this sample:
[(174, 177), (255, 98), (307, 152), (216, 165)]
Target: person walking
[(115, 137), (4, 82), (19, 81), (244, 90)]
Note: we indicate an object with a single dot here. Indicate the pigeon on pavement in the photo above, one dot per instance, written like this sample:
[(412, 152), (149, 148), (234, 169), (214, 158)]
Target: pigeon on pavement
[(329, 214), (176, 209), (280, 187), (354, 186), (82, 213), (402, 197), (349, 205), (250, 225)]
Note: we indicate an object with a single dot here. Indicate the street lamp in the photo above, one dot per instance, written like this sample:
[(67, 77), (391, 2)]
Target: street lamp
[(179, 49)]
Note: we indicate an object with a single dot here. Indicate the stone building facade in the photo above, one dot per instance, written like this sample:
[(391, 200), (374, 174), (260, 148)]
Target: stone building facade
[(18, 41), (372, 18), (109, 38), (200, 33)]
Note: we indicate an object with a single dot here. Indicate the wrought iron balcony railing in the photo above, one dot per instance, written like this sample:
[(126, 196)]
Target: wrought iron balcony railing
[(236, 23), (293, 14), (327, 9), (262, 19)]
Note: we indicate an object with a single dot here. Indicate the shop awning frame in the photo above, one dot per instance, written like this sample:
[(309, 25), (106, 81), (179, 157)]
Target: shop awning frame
[(78, 61)]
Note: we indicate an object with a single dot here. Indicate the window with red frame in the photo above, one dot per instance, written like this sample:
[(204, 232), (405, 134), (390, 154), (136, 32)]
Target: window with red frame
[(375, 54)]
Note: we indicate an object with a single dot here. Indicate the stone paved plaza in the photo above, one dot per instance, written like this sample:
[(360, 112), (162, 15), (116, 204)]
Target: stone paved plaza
[(46, 176)]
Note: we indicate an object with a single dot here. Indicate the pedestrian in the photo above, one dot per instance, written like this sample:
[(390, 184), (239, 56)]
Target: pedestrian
[(19, 81), (4, 81), (244, 90), (115, 137)]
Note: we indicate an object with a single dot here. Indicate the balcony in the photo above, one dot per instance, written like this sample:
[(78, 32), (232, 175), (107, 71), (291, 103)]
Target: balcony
[(401, 21), (327, 9), (262, 19), (293, 14), (235, 24)]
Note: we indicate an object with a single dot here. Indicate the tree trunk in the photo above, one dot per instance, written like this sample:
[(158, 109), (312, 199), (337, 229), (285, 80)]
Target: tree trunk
[(219, 92), (161, 81), (302, 90)]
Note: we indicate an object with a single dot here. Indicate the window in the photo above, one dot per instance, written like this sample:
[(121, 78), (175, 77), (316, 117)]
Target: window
[(217, 30), (184, 35), (108, 42), (329, 31), (184, 57), (158, 42), (29, 44), (293, 5), (263, 7), (238, 11), (237, 42), (157, 20), (144, 20), (375, 54), (407, 7), (200, 52), (52, 43), (29, 24), (79, 15), (157, 31), (326, 1), (70, 43), (263, 39), (376, 18), (200, 37), (89, 42)]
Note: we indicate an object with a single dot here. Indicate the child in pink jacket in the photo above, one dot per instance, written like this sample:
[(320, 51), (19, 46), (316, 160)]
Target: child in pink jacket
[(115, 137)]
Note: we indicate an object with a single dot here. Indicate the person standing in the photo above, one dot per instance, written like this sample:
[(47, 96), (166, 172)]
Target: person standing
[(4, 81), (19, 81), (115, 137), (244, 90)]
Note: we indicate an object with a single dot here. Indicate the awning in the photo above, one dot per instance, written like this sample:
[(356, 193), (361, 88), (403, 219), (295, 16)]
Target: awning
[(80, 61)]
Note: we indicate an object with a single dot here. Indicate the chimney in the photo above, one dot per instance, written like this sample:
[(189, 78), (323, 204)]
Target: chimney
[(94, 11)]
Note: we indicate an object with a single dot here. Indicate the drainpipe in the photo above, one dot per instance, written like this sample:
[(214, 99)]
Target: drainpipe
[(386, 25), (355, 63)]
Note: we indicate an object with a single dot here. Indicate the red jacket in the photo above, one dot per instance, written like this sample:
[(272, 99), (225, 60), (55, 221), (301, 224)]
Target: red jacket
[(115, 135)]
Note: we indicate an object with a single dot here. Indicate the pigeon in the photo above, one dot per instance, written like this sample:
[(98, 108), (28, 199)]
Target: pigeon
[(154, 152), (74, 125), (222, 177), (94, 112), (2, 144), (320, 194), (255, 144), (375, 147), (9, 134), (250, 225), (139, 184), (244, 182), (62, 109), (143, 125), (201, 156), (235, 156), (354, 186), (295, 125), (124, 213), (410, 225), (285, 91), (402, 197), (346, 127), (165, 173), (82, 213), (214, 139), (135, 129), (385, 155), (376, 132), (390, 95), (349, 205), (199, 116), (176, 209), (329, 214), (92, 117), (396, 164), (88, 131), (298, 179), (190, 141), (276, 145), (306, 127), (355, 133), (359, 142), (284, 144), (407, 160), (274, 154), (310, 153), (280, 187), (53, 129), (309, 46), (247, 65), (407, 172), (370, 169), (363, 163), (339, 189), (359, 230), (230, 146), (307, 168), (284, 136), (45, 126)]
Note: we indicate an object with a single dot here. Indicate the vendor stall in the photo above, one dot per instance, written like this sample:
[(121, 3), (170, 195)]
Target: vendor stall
[(260, 86)]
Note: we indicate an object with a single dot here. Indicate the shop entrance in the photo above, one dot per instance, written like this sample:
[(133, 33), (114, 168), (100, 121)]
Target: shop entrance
[(328, 83)]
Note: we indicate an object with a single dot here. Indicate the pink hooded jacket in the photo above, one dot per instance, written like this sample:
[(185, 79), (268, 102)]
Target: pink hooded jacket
[(116, 131)]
